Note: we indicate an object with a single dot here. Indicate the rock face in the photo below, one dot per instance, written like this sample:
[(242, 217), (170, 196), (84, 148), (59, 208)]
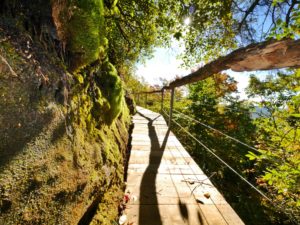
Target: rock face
[(63, 133)]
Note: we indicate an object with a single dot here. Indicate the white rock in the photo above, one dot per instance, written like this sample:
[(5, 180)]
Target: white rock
[(122, 219)]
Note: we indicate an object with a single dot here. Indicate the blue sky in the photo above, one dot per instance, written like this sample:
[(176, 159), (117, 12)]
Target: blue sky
[(166, 65)]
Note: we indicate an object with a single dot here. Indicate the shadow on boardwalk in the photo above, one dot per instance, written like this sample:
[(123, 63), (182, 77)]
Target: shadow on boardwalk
[(148, 187)]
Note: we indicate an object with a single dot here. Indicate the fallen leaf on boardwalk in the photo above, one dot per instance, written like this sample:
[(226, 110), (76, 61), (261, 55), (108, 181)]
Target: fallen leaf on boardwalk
[(126, 197), (122, 219), (207, 195)]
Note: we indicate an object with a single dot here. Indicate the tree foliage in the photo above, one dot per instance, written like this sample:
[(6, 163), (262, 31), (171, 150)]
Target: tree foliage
[(278, 164), (211, 103)]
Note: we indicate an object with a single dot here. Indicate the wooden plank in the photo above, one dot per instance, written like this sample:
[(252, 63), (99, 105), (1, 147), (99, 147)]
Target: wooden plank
[(158, 170)]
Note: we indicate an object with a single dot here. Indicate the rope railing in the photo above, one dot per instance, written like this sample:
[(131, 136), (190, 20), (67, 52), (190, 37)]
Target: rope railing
[(216, 130), (219, 158), (195, 120)]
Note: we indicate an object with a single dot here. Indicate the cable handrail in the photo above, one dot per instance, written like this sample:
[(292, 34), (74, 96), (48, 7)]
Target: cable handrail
[(221, 160), (214, 129)]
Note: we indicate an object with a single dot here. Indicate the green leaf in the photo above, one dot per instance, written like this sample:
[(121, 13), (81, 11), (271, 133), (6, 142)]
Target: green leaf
[(251, 156), (178, 35), (296, 115)]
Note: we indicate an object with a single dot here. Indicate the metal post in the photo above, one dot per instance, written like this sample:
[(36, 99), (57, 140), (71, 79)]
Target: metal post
[(171, 106), (162, 100)]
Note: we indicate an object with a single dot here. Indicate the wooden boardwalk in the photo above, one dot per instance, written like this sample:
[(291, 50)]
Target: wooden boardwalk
[(158, 174)]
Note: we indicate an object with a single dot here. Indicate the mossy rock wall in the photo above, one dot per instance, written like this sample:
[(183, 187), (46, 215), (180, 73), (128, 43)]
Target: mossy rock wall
[(80, 27), (61, 159)]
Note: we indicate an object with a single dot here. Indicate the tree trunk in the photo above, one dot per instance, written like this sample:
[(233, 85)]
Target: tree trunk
[(266, 55)]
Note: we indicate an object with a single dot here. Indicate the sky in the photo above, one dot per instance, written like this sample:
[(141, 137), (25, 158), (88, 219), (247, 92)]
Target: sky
[(166, 65)]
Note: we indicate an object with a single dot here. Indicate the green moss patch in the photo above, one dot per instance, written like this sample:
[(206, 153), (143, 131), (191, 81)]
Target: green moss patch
[(59, 158), (85, 28), (107, 78)]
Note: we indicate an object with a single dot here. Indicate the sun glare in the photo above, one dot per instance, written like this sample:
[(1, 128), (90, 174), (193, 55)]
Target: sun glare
[(187, 21)]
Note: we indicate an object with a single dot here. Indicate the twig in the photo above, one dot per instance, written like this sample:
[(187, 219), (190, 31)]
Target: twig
[(249, 10), (10, 68), (3, 39), (288, 15), (201, 182)]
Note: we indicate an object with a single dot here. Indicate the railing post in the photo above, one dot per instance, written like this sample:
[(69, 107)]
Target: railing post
[(171, 106), (162, 100), (138, 99)]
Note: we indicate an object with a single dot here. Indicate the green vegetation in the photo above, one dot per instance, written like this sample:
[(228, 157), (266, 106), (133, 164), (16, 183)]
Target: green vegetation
[(108, 77), (86, 37), (278, 161)]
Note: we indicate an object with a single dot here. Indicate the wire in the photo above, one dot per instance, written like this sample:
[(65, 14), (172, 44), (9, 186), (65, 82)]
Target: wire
[(222, 161), (226, 135)]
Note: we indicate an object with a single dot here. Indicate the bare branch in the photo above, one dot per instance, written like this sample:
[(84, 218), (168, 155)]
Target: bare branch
[(273, 16), (9, 67), (288, 15), (123, 34), (237, 6), (250, 10), (263, 24)]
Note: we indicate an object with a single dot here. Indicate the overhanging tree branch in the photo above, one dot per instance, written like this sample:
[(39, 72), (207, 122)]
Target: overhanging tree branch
[(266, 55)]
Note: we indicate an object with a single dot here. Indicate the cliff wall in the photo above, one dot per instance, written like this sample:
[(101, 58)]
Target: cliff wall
[(63, 117)]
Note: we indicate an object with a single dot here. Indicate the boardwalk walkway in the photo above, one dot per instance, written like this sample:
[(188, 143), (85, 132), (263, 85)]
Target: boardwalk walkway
[(158, 174)]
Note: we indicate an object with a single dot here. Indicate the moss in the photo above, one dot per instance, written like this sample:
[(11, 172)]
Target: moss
[(95, 103), (111, 200), (107, 78), (85, 28), (69, 154)]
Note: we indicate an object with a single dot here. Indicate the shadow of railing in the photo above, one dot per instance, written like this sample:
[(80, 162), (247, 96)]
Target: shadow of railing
[(148, 188)]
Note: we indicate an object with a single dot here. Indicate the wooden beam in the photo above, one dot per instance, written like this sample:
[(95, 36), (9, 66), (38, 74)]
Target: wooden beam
[(171, 106), (162, 100), (272, 54), (149, 92)]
